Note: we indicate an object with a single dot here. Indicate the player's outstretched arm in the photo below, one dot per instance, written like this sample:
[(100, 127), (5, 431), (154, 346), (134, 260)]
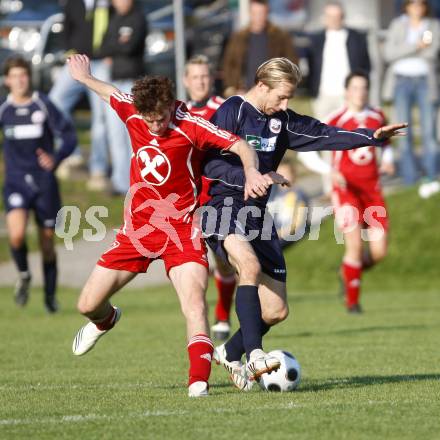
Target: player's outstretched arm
[(389, 131), (79, 68), (256, 184)]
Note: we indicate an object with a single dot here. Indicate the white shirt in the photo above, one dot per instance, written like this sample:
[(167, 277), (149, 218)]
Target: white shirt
[(335, 63), (414, 65)]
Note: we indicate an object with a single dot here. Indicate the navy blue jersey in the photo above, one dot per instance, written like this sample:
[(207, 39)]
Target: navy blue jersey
[(271, 136), (37, 124)]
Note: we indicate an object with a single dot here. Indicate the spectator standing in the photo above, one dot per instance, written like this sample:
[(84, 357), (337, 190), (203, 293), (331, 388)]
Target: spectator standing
[(123, 49), (334, 52), (412, 48), (250, 47), (85, 23)]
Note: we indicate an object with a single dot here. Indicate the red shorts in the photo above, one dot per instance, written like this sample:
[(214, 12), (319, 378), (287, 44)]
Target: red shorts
[(362, 205), (135, 255)]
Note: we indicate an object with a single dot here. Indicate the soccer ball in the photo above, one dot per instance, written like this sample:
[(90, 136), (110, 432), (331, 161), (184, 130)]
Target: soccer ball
[(286, 378)]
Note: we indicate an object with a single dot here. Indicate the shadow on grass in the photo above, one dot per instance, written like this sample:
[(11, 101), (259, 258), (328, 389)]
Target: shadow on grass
[(361, 381), (348, 331)]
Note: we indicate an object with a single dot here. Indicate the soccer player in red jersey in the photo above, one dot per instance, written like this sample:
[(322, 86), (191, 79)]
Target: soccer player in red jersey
[(356, 194), (165, 177), (198, 83)]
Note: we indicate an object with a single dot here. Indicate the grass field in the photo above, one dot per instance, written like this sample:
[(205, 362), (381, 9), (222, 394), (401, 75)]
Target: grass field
[(364, 377)]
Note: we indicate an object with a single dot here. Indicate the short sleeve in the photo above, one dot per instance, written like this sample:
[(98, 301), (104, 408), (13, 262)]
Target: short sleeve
[(122, 104), (209, 136)]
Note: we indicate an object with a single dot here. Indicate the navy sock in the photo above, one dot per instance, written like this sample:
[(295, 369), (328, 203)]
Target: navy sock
[(50, 278), (19, 256), (235, 348), (248, 308)]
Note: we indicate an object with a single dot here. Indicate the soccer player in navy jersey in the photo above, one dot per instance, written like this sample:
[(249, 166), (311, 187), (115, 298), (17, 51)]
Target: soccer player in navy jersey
[(31, 124), (262, 118)]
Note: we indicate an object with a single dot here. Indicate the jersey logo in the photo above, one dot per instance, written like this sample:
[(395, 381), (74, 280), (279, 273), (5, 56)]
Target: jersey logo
[(261, 144), (361, 156), (38, 117), (154, 142), (275, 125), (154, 165)]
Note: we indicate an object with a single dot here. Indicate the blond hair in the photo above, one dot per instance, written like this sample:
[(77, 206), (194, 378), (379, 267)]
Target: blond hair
[(200, 59), (277, 70)]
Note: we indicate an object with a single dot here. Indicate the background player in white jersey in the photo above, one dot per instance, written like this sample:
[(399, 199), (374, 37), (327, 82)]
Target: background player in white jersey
[(164, 177), (357, 194), (198, 81), (31, 124)]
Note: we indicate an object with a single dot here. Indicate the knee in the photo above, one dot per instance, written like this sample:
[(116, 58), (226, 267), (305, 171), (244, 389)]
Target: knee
[(379, 255), (277, 315), (85, 306), (16, 241)]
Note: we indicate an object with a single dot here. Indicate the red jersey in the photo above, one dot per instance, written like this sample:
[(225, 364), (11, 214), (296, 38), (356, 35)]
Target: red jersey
[(208, 109), (165, 170), (359, 164)]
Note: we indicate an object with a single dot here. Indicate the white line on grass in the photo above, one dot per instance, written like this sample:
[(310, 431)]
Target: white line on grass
[(78, 418)]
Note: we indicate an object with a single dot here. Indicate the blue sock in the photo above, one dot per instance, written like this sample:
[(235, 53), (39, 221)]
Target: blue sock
[(248, 308), (235, 348), (19, 255), (50, 278)]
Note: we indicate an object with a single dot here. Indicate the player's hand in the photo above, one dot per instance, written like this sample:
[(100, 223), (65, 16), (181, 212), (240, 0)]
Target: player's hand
[(387, 168), (339, 180), (274, 178), (256, 184), (79, 67), (390, 130), (45, 160)]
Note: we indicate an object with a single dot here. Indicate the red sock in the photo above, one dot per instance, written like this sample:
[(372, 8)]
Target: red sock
[(225, 289), (352, 278), (108, 322), (200, 349)]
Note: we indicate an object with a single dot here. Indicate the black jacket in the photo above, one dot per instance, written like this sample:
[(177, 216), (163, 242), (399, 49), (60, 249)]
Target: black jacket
[(124, 42), (78, 26), (357, 56)]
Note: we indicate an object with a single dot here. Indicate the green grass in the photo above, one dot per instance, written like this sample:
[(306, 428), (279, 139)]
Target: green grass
[(375, 376)]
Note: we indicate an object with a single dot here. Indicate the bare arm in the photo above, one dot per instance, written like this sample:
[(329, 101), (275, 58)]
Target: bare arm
[(79, 68)]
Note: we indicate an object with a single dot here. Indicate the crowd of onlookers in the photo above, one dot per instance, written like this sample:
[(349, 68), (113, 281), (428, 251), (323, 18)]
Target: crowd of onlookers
[(112, 33)]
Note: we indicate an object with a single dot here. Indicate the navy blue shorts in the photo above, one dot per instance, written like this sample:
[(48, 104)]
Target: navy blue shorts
[(220, 220), (29, 192)]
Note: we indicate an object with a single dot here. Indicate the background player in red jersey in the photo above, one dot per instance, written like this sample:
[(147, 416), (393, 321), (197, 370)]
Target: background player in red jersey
[(164, 177), (198, 82), (356, 194)]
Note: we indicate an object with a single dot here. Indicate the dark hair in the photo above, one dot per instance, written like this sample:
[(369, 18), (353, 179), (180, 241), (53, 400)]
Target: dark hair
[(356, 74), (426, 3), (260, 2), (153, 94), (16, 61)]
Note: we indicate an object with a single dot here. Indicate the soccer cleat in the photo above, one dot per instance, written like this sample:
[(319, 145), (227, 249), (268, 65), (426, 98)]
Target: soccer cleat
[(89, 334), (51, 304), (21, 294), (236, 370), (355, 309), (198, 389), (260, 363), (221, 330)]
